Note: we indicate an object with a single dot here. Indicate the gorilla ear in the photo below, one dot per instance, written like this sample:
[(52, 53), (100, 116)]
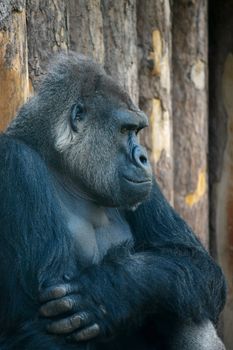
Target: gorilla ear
[(76, 115)]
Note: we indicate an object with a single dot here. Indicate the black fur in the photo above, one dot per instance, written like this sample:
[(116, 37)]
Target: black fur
[(165, 279)]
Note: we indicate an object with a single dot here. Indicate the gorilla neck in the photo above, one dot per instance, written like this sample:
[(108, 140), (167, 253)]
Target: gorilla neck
[(76, 188), (94, 228), (72, 189)]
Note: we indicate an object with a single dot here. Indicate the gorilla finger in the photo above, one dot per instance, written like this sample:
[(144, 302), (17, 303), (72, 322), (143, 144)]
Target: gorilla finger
[(70, 324), (86, 334), (56, 292), (60, 306)]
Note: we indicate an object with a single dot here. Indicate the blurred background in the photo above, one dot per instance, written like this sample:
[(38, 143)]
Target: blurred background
[(176, 60)]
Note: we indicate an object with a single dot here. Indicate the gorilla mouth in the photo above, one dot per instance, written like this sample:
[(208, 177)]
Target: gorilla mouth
[(137, 181)]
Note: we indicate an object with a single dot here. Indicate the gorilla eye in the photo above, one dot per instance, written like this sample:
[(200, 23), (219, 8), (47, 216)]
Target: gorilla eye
[(129, 127), (124, 130), (77, 114)]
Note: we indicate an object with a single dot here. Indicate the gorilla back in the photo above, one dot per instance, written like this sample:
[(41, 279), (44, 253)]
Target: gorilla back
[(92, 256)]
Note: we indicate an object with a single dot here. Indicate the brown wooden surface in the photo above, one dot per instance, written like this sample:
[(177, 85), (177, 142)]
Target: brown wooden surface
[(221, 148), (190, 118), (154, 57), (47, 34), (86, 28), (13, 60), (120, 38)]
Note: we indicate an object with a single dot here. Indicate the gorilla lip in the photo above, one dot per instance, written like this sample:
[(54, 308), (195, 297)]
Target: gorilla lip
[(137, 181)]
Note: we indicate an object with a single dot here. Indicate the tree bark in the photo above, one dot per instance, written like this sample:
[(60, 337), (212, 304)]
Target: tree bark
[(190, 113), (13, 59), (221, 148), (47, 34), (86, 28), (120, 38), (154, 54)]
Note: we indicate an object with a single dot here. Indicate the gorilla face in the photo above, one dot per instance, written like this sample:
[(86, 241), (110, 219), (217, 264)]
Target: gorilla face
[(96, 138), (105, 158)]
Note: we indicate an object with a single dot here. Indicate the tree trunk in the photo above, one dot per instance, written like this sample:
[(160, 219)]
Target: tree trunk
[(86, 28), (154, 54), (47, 34), (120, 38), (13, 59), (221, 148), (190, 113)]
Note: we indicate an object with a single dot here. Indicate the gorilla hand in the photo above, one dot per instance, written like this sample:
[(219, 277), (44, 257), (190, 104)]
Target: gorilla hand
[(66, 299)]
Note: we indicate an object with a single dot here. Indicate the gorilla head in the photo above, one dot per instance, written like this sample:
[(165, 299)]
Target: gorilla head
[(86, 128)]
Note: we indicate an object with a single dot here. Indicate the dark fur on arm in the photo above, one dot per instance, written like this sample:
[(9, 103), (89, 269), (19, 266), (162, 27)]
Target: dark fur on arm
[(168, 273), (32, 236)]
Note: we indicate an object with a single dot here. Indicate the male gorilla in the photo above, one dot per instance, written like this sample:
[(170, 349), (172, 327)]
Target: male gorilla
[(92, 256)]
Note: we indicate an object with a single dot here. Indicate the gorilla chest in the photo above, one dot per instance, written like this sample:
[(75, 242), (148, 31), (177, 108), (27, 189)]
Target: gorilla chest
[(93, 241), (94, 229)]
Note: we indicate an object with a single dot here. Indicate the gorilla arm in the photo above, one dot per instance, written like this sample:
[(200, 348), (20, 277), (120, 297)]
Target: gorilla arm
[(168, 274), (29, 221)]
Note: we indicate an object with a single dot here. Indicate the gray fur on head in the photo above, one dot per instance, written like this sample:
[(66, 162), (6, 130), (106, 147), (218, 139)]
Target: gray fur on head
[(43, 122), (37, 120)]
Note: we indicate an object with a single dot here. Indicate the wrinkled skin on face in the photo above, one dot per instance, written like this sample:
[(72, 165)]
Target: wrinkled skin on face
[(96, 137), (89, 128)]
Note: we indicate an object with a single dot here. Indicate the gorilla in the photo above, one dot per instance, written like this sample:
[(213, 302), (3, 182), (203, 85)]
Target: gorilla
[(92, 256)]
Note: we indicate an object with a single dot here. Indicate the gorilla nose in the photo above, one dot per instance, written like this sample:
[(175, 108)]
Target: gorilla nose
[(140, 157)]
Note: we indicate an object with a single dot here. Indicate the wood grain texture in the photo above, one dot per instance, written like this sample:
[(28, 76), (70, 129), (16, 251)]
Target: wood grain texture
[(190, 128), (13, 60), (86, 28), (47, 34), (154, 60), (120, 38), (221, 148)]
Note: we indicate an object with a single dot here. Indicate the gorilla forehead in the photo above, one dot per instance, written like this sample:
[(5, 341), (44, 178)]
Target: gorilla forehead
[(73, 75)]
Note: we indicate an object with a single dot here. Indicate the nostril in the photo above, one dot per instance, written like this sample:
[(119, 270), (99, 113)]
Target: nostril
[(143, 159), (140, 157)]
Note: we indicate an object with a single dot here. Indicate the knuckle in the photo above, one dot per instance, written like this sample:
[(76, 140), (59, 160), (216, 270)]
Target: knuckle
[(67, 304), (53, 293), (67, 288), (80, 336), (96, 329), (54, 308), (51, 309), (83, 316), (91, 331), (58, 292), (75, 321), (48, 309), (67, 325), (60, 287)]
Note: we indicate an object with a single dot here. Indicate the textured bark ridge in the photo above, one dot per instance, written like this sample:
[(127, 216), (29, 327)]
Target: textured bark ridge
[(154, 54), (120, 38), (190, 113), (221, 148), (47, 34), (86, 28), (13, 59)]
